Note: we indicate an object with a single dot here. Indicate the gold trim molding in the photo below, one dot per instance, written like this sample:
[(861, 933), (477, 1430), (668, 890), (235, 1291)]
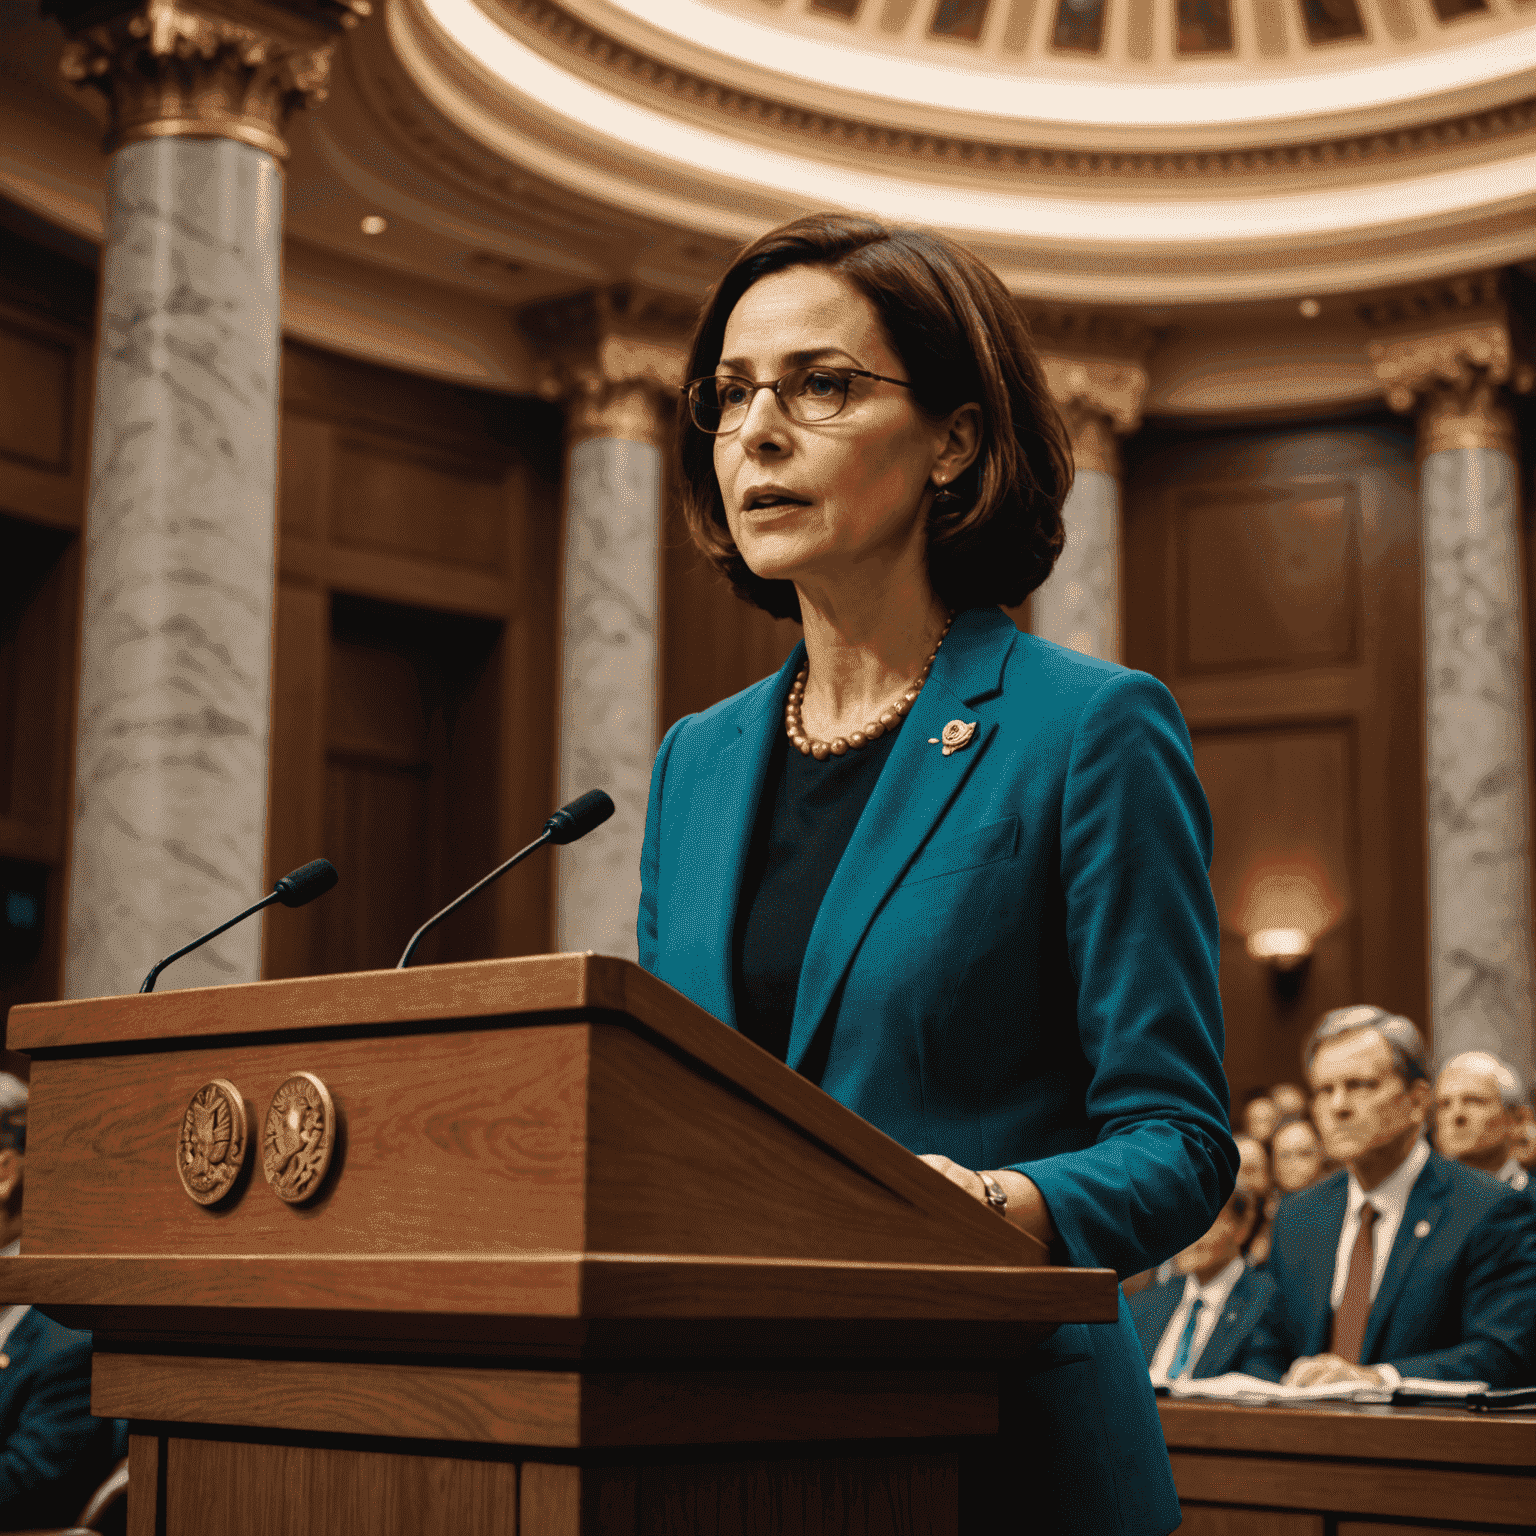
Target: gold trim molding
[(615, 357), (1454, 379), (191, 69), (634, 72), (1098, 399)]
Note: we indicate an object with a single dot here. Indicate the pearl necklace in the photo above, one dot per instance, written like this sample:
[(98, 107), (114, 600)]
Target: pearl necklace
[(873, 730)]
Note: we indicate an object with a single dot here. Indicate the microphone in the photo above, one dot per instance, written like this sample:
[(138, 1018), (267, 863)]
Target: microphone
[(584, 814), (293, 890)]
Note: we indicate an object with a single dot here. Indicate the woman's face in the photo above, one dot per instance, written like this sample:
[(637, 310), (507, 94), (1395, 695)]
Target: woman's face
[(1259, 1118), (838, 499), (1298, 1156)]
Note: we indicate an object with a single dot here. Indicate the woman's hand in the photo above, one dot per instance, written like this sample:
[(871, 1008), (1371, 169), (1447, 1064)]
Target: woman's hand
[(1026, 1205)]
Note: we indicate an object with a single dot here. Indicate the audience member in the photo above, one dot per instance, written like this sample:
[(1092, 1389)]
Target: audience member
[(1478, 1120), (1196, 1323), (1291, 1100), (1403, 1263), (53, 1453), (1253, 1176), (1260, 1117), (1297, 1155), (1525, 1147)]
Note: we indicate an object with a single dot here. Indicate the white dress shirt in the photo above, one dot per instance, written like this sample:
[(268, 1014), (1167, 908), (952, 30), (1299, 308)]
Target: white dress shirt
[(1213, 1298), (1513, 1174), (1390, 1198)]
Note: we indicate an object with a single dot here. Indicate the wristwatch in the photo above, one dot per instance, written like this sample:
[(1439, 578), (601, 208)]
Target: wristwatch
[(997, 1196)]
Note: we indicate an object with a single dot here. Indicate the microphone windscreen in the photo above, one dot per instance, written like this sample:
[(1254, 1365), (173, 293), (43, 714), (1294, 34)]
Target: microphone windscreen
[(306, 882), (579, 817)]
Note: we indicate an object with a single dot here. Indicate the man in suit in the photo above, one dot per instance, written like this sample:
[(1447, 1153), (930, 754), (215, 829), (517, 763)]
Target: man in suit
[(1403, 1263), (53, 1451), (1196, 1323), (1478, 1121)]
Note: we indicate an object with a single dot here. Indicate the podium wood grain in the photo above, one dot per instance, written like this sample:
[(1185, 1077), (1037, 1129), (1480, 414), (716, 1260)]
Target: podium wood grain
[(586, 1260)]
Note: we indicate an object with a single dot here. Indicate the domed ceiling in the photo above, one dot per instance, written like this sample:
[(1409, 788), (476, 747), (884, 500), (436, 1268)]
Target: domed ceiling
[(1115, 150)]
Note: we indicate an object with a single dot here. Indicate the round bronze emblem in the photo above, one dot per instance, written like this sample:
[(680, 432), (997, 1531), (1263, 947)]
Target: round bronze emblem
[(211, 1148), (300, 1131)]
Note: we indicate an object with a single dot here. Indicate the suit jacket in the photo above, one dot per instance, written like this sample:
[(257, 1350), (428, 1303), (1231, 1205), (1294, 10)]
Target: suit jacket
[(1457, 1301), (1153, 1309), (53, 1453), (1015, 966)]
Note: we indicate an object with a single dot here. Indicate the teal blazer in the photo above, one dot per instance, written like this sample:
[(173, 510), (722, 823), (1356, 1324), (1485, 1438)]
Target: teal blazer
[(1015, 966)]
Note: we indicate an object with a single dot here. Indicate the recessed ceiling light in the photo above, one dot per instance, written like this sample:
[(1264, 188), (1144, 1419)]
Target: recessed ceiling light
[(375, 224), (1310, 308)]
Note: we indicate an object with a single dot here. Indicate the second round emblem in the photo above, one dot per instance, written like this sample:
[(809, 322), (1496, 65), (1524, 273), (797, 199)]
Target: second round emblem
[(298, 1137)]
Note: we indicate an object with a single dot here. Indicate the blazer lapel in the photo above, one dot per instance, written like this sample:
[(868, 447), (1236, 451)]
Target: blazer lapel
[(1237, 1321), (1426, 1201), (916, 787), (1316, 1284), (730, 788)]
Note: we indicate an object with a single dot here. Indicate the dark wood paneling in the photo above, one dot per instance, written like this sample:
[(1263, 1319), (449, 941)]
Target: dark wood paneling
[(222, 1488), (1267, 577), (421, 520), (144, 1456), (1273, 584), (37, 374)]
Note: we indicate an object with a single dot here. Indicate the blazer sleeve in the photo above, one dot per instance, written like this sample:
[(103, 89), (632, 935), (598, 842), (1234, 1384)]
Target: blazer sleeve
[(1143, 944), (1498, 1304), (54, 1427), (646, 927)]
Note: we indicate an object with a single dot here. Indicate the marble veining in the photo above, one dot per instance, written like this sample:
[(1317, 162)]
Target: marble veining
[(171, 765), (1476, 757), (608, 683), (1079, 605)]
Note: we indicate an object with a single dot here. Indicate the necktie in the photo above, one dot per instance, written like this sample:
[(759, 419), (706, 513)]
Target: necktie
[(1355, 1304), (1186, 1341)]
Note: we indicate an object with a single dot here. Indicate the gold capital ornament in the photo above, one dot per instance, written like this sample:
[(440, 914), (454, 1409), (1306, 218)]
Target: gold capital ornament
[(615, 357), (1100, 399), (1455, 379), (230, 69)]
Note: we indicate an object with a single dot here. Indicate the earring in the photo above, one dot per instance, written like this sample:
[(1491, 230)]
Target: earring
[(943, 495)]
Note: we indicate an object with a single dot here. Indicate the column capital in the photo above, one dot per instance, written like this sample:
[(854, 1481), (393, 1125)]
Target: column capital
[(615, 357), (1099, 398), (1447, 352), (233, 69)]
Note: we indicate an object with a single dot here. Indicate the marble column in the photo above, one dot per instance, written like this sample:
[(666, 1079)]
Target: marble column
[(171, 758), (1476, 687), (620, 393), (1080, 604)]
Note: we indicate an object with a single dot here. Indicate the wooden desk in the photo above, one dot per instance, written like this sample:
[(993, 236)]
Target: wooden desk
[(1340, 1470)]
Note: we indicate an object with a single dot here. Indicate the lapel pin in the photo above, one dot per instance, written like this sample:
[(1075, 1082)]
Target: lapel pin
[(1422, 1229), (957, 735)]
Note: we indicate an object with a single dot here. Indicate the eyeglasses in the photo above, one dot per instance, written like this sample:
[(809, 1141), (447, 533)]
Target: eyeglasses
[(808, 395)]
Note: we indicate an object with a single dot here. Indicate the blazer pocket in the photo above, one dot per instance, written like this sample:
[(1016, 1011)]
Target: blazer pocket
[(990, 844)]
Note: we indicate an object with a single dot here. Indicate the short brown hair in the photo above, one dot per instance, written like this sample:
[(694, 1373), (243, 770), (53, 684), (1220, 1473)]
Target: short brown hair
[(955, 328)]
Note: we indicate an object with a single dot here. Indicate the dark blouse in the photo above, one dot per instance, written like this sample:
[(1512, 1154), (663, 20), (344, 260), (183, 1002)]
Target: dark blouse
[(805, 818)]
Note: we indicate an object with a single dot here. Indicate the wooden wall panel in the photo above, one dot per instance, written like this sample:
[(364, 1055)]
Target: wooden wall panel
[(1273, 584), (46, 304), (414, 696), (1268, 577)]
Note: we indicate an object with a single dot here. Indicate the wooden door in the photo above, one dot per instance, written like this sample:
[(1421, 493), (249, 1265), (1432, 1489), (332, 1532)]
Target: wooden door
[(1272, 581)]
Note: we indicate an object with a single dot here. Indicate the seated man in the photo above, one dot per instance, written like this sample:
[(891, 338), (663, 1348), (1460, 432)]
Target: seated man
[(1196, 1323), (1402, 1263), (1478, 1121), (53, 1453)]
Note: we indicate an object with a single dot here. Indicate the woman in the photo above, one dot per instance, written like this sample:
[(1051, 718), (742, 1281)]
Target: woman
[(953, 874)]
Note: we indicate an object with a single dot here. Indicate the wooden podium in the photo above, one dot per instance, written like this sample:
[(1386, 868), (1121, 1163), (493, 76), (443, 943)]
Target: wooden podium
[(584, 1260)]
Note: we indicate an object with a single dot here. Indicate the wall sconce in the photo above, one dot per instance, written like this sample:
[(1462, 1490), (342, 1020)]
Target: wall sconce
[(1286, 952), (1282, 949)]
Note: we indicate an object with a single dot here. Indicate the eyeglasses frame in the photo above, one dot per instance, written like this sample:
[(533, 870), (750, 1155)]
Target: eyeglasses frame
[(846, 374)]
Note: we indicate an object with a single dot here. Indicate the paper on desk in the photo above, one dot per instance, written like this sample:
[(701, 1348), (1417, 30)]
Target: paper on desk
[(1234, 1387)]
